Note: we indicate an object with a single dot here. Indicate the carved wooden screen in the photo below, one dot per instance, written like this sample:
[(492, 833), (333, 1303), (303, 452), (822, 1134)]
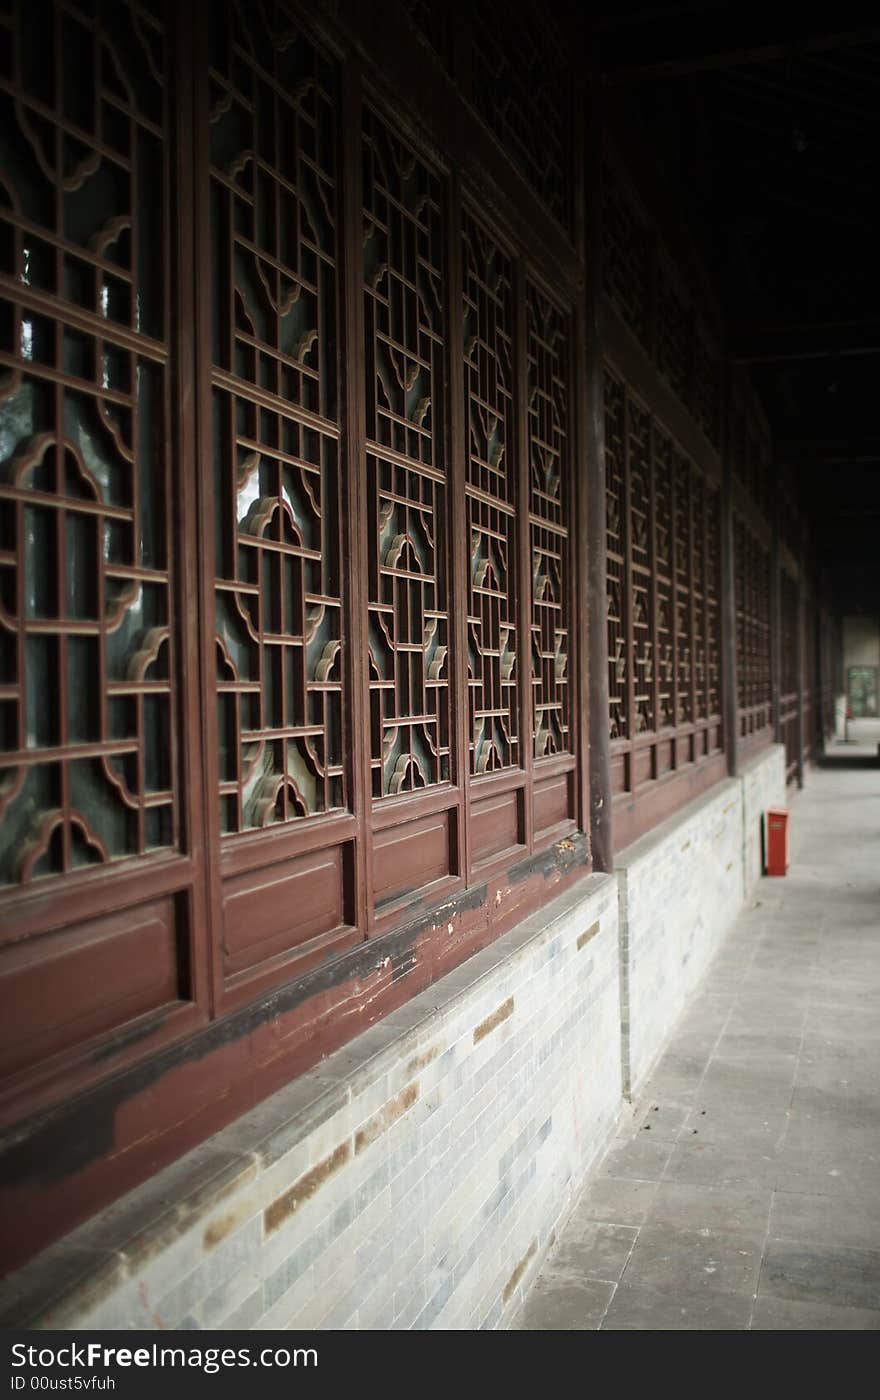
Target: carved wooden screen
[(433, 19), (93, 649), (707, 386), (405, 298), (492, 490), (753, 662), (277, 659), (408, 591), (750, 449), (551, 512), (674, 330), (616, 521), (663, 542), (626, 256), (520, 83), (790, 622), (811, 699), (664, 549), (287, 556)]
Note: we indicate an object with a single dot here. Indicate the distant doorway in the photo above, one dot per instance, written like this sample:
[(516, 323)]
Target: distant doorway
[(862, 690)]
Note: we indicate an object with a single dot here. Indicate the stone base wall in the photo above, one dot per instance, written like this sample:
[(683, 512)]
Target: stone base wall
[(413, 1179), (681, 887), (763, 785)]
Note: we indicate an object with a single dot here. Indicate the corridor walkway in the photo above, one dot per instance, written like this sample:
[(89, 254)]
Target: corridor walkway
[(743, 1191)]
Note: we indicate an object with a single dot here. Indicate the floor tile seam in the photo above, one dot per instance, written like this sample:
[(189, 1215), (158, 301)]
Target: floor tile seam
[(781, 1143), (813, 1245), (615, 1285), (749, 1328), (699, 1082)]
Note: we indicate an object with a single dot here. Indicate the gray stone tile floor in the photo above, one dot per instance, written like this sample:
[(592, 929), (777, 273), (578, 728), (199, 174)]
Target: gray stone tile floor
[(743, 1189)]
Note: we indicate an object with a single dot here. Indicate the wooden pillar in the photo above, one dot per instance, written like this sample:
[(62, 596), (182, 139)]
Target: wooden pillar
[(728, 606), (776, 619), (799, 663), (819, 662), (597, 598)]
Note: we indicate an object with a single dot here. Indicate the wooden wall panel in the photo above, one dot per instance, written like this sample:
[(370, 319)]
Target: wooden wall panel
[(286, 907), (411, 855), (69, 991), (497, 825)]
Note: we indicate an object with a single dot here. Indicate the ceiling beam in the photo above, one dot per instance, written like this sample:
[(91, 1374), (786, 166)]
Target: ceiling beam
[(814, 452), (802, 463), (739, 58), (807, 341)]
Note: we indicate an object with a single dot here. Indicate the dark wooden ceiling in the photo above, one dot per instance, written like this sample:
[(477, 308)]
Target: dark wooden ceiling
[(766, 120)]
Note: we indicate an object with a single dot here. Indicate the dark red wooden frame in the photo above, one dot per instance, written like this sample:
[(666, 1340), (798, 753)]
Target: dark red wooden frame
[(111, 1107)]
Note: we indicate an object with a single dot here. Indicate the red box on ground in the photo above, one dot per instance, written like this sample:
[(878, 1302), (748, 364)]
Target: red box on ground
[(777, 840)]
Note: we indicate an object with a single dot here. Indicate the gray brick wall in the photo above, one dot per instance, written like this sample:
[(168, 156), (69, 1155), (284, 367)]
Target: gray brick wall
[(413, 1179), (763, 784), (680, 888)]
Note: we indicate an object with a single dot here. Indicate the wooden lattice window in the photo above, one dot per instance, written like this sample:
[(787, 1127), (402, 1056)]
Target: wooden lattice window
[(674, 331), (753, 664), (616, 520), (547, 352), (664, 651), (86, 569), (663, 554), (492, 497), (789, 648), (707, 387), (626, 256), (276, 428), (521, 85), (404, 305), (641, 565)]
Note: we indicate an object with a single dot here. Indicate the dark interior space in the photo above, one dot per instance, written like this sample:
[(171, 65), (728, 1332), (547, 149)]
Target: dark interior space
[(764, 120)]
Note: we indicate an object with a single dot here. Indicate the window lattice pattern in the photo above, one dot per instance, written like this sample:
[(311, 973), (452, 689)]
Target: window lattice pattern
[(698, 593), (275, 418), (750, 453), (684, 614), (673, 333), (407, 493), (707, 389), (752, 592), (491, 502), (87, 641), (521, 87), (432, 19), (663, 543), (790, 620), (811, 697), (758, 474), (626, 257), (616, 541), (547, 353), (711, 587), (663, 551), (738, 430), (641, 564)]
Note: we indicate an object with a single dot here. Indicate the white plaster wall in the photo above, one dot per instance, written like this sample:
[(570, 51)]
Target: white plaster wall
[(680, 887), (763, 786)]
